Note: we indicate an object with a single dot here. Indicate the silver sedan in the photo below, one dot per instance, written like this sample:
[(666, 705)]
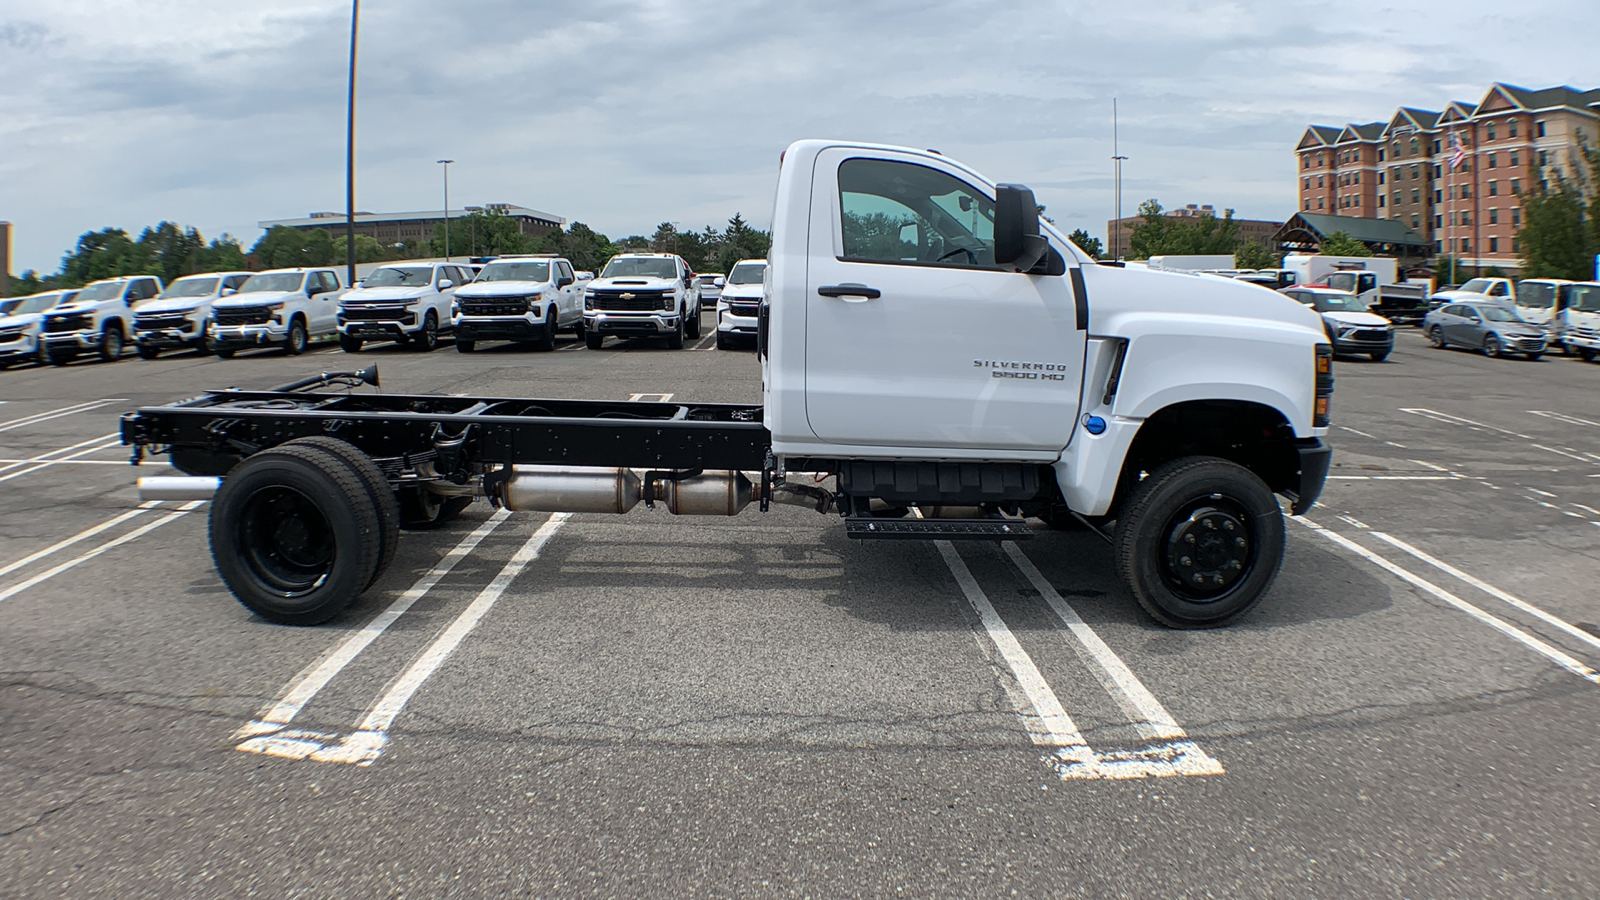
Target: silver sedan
[(1484, 326)]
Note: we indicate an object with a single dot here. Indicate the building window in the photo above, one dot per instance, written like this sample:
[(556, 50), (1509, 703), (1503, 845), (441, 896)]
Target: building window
[(1380, 154), (1465, 193), (1380, 178), (1544, 157), (1494, 245), (1516, 215), (1436, 247), (1491, 131), (1511, 129), (1396, 198), (1494, 216), (1416, 196), (1319, 181), (1413, 146), (1438, 221), (1357, 198), (1305, 183), (1466, 245), (1305, 161), (1308, 204), (1514, 159), (1516, 186), (1415, 173), (1438, 172), (1416, 221), (1358, 177), (1319, 160), (1516, 245), (1538, 129), (1319, 203), (1435, 146), (1380, 201), (1466, 217), (1494, 188), (1491, 161)]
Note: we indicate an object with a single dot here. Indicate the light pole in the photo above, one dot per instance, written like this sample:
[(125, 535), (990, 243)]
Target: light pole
[(1116, 160), (446, 163), (350, 154)]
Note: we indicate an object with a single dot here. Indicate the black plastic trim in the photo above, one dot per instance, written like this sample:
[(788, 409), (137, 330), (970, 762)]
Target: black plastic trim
[(1080, 297)]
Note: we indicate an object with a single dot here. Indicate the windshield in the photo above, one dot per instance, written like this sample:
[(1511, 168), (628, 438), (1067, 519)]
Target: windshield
[(1477, 286), (104, 290), (515, 271), (1496, 314), (1535, 295), (272, 281), (707, 279), (1337, 303), (747, 273), (1585, 297), (640, 267), (190, 287), (397, 276)]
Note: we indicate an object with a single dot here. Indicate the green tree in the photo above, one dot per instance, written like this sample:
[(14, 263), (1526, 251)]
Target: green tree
[(222, 255), (877, 236), (1340, 243), (1089, 245), (1253, 254), (280, 247), (318, 249), (481, 233), (1446, 273), (1160, 234), (1559, 236), (368, 250)]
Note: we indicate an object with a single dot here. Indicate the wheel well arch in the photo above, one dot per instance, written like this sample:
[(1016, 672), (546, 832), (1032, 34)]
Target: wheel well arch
[(1254, 435)]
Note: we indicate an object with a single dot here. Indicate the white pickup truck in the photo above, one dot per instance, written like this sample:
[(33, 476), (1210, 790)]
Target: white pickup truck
[(278, 308), (408, 303), (99, 318), (180, 316), (936, 363), (642, 295), (20, 320), (524, 298)]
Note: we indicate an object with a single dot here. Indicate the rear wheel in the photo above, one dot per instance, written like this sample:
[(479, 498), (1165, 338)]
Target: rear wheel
[(294, 535), (465, 346), (593, 340), (428, 338), (547, 335), (1379, 355), (297, 340), (349, 344), (383, 497), (1199, 541), (223, 351), (1533, 357), (1586, 354), (111, 343)]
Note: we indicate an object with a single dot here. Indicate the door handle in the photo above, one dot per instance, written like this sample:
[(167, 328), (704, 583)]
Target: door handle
[(849, 290)]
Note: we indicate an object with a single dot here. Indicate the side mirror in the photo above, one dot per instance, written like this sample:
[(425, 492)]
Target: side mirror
[(564, 281), (229, 292), (446, 284), (1017, 243)]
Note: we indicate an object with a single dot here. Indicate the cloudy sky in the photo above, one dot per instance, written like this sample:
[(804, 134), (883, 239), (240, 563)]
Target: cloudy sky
[(219, 114)]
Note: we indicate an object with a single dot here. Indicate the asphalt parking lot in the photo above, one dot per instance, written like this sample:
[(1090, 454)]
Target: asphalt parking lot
[(641, 705)]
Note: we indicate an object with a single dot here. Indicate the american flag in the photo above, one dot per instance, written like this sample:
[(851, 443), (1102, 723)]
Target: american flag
[(1457, 155)]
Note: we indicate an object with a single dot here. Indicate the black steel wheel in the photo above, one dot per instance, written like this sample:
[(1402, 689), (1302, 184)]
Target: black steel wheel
[(427, 339), (294, 535), (1199, 541), (349, 344), (384, 501)]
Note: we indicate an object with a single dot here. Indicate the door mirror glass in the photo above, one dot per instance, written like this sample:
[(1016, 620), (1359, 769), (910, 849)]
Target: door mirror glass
[(446, 284)]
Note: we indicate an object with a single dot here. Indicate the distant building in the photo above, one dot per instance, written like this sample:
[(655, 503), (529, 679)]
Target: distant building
[(1120, 231), (1401, 171), (394, 228), (1305, 232)]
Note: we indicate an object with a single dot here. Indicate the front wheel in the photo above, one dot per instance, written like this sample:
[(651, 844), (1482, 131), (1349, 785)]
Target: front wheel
[(465, 346), (1491, 346), (546, 340), (723, 341), (223, 351), (593, 340), (1586, 354), (111, 343), (694, 323), (675, 337), (1199, 541), (1436, 338), (296, 343), (349, 344), (427, 339), (1533, 357), (1379, 355), (147, 351)]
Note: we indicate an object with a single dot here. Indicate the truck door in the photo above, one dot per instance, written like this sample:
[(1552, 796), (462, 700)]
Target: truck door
[(914, 337)]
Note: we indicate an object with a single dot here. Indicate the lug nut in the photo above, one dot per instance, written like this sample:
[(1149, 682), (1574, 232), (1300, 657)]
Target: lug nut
[(1185, 561)]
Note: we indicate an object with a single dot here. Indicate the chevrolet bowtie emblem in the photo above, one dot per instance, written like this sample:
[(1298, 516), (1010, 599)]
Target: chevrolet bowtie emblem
[(626, 296)]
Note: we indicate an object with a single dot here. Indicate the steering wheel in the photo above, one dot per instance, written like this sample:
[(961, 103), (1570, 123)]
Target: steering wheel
[(972, 258)]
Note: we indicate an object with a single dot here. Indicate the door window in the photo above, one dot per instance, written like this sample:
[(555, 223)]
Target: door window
[(894, 212)]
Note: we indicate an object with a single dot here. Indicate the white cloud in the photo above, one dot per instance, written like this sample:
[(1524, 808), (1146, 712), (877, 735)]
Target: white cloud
[(626, 114)]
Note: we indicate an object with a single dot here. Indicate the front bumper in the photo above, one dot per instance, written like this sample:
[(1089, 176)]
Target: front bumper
[(21, 346), (498, 328), (1365, 342), (249, 335), (188, 335), (729, 323), (629, 323), (1315, 458), (83, 340), (382, 323)]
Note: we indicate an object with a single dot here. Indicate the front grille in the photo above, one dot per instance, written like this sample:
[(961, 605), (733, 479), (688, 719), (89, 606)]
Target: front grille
[(1530, 345), (634, 301), (1586, 332), (744, 309), (10, 334), (1373, 335), (165, 320), (374, 314), (56, 324), (498, 306), (244, 315)]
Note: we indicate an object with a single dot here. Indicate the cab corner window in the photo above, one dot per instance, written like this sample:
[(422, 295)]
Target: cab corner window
[(895, 212)]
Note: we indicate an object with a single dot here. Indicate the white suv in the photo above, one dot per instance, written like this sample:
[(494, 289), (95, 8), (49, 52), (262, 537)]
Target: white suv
[(739, 304), (520, 298), (281, 307), (99, 318), (642, 295), (179, 317), (402, 302), (19, 324)]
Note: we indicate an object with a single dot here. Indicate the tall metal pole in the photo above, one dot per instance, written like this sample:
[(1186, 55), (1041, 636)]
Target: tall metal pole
[(350, 155), (1116, 163), (446, 163)]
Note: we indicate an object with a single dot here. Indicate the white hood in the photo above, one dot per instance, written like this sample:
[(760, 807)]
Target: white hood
[(26, 320), (385, 294), (1358, 319), (742, 291), (172, 304), (257, 298), (479, 289), (67, 309), (638, 282)]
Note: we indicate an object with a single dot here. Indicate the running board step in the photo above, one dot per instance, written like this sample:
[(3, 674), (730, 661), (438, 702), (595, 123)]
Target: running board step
[(937, 529)]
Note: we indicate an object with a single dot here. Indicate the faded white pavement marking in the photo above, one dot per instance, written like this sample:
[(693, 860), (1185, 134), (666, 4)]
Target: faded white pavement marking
[(1449, 419), (649, 398), (1555, 655), (71, 456), (89, 532), (1048, 723), (367, 742), (1563, 417), (133, 535), (309, 683), (52, 454), (46, 416)]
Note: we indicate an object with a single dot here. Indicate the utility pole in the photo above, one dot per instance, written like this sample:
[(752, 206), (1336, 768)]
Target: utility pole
[(1116, 165), (350, 155), (446, 163)]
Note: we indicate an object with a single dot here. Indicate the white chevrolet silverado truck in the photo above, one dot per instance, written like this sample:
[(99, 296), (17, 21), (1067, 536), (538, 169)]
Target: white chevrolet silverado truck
[(180, 316), (278, 308), (936, 363), (642, 295), (99, 318), (739, 303), (525, 298), (408, 303)]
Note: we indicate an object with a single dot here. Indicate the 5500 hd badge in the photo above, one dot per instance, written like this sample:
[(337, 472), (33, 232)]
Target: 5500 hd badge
[(1025, 371)]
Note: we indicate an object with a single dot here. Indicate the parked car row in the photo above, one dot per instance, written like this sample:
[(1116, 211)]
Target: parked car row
[(521, 298)]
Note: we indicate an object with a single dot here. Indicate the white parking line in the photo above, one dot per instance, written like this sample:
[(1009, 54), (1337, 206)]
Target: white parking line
[(311, 682), (367, 742), (1517, 634), (649, 398), (45, 465), (12, 464), (58, 413), (1563, 417), (89, 532), (1047, 721), (133, 535), (1458, 420), (1569, 455)]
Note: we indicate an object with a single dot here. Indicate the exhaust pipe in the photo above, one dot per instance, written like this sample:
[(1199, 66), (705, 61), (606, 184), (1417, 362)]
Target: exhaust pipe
[(617, 490), (178, 487)]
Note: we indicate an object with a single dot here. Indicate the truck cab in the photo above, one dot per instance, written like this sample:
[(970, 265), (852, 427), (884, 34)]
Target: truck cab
[(99, 318), (1500, 290), (408, 303), (180, 315), (524, 299), (278, 308), (1542, 302), (1581, 319)]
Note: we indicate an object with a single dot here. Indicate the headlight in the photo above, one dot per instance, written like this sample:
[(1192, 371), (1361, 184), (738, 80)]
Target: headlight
[(273, 306), (668, 300)]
